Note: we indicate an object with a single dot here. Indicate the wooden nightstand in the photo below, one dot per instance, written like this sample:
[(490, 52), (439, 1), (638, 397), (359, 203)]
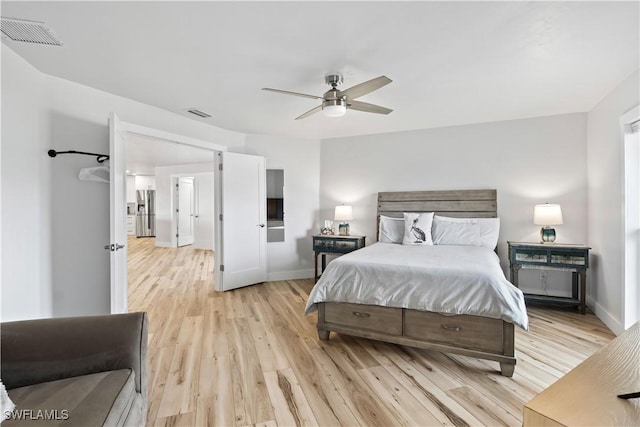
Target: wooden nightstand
[(332, 244), (574, 258)]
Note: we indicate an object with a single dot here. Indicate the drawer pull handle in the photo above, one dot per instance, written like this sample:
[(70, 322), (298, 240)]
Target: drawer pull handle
[(359, 314), (451, 328)]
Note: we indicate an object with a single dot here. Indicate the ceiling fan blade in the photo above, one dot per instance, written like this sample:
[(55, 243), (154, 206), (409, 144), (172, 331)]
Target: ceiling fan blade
[(366, 87), (366, 107), (286, 92), (310, 112)]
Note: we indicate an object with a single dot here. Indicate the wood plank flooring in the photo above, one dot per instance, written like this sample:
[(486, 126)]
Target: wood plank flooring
[(250, 357)]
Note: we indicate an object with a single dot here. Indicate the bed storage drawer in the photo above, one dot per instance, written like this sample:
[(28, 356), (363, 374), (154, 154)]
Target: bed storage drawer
[(377, 319), (474, 332)]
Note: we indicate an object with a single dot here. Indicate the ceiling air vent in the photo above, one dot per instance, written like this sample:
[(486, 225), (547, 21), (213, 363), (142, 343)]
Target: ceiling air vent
[(20, 30), (199, 113)]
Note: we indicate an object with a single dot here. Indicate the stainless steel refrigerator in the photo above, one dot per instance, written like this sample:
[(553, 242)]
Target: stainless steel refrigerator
[(146, 213)]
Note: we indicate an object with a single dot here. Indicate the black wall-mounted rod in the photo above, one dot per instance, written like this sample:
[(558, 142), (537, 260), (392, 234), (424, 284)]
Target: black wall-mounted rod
[(99, 157)]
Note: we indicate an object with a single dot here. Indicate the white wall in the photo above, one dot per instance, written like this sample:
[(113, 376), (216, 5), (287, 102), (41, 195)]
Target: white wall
[(528, 161), (57, 219), (300, 160), (26, 193), (606, 202), (165, 222)]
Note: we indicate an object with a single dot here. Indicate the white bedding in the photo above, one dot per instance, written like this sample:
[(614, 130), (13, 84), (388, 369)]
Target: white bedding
[(442, 278)]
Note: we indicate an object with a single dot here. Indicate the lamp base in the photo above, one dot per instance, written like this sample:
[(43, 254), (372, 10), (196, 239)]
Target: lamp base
[(547, 235), (343, 229)]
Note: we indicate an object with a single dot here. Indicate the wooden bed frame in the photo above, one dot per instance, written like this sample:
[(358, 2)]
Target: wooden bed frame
[(475, 336)]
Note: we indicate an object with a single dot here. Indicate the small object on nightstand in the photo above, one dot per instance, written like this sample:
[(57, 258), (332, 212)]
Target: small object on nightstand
[(547, 215), (574, 258), (337, 245), (328, 227)]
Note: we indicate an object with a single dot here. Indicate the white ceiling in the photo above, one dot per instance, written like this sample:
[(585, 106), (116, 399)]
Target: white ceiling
[(451, 62), (144, 154)]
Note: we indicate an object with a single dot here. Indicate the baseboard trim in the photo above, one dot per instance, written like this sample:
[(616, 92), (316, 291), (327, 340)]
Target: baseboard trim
[(606, 317), (289, 275), (162, 244)]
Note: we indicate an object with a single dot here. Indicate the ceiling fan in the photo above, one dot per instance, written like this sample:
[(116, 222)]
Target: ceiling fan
[(335, 102)]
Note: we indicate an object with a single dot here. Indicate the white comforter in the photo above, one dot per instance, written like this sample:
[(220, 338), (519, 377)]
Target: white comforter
[(444, 279)]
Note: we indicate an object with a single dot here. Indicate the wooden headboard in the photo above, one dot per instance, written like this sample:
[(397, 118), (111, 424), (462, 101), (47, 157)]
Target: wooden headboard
[(456, 203)]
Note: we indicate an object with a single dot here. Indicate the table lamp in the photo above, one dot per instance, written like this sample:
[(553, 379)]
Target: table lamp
[(547, 215), (343, 214)]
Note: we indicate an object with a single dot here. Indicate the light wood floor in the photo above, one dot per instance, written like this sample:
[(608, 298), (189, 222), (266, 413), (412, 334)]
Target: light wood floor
[(250, 357)]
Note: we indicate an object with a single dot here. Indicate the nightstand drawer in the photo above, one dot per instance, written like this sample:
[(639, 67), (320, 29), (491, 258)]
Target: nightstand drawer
[(532, 256), (578, 260), (336, 244), (377, 319), (552, 256)]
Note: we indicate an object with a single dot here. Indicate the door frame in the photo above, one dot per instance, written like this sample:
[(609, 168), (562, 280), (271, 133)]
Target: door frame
[(630, 264), (134, 129)]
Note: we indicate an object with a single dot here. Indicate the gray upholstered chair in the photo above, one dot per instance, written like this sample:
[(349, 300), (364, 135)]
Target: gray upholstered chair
[(85, 371)]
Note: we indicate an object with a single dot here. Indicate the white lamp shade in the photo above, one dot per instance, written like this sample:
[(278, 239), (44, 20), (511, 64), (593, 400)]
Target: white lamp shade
[(343, 213), (547, 214)]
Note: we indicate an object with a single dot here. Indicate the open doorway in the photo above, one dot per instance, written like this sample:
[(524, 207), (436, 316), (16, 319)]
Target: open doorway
[(159, 165), (171, 173), (240, 187)]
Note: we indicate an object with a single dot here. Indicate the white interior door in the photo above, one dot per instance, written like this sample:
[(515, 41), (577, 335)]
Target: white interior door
[(242, 190), (185, 211), (203, 223), (118, 216)]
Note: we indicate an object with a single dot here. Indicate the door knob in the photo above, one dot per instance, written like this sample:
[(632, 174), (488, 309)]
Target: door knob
[(119, 246)]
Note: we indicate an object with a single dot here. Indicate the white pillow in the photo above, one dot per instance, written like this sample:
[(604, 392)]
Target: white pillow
[(391, 229), (417, 228), (466, 231)]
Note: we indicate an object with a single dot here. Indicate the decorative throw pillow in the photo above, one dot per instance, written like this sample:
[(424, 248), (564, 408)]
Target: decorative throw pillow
[(466, 231), (417, 228), (391, 229)]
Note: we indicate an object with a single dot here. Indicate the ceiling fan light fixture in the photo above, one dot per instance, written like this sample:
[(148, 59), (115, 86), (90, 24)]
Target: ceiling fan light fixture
[(335, 102), (334, 107)]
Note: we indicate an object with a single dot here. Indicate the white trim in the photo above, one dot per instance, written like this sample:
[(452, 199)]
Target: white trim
[(163, 244), (289, 275), (606, 317), (629, 117), (168, 136), (626, 121)]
